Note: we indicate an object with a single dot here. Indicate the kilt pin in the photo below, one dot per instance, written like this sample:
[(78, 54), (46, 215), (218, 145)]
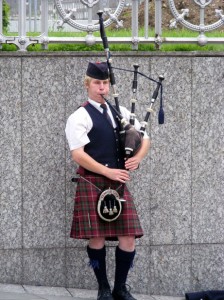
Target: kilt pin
[(86, 221)]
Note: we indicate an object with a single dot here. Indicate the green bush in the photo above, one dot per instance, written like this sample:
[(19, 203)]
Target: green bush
[(5, 14)]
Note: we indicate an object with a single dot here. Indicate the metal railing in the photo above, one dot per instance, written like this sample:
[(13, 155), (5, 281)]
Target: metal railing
[(68, 17)]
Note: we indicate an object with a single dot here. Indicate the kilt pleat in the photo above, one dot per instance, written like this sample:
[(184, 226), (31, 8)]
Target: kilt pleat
[(86, 222)]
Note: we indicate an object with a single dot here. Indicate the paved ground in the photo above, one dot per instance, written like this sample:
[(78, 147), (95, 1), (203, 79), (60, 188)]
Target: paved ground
[(25, 292)]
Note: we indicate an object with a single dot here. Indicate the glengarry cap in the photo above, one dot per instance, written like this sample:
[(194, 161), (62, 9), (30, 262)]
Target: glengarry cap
[(98, 70)]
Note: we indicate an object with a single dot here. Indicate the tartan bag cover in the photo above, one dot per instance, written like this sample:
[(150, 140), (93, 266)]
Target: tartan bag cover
[(86, 221)]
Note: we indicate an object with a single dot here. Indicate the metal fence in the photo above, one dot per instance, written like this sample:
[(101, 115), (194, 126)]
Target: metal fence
[(58, 13)]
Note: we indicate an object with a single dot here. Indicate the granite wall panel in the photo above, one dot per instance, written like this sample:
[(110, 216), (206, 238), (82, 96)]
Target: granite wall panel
[(207, 150), (170, 270), (11, 266), (43, 152), (44, 267), (178, 188), (207, 267), (10, 154), (171, 155)]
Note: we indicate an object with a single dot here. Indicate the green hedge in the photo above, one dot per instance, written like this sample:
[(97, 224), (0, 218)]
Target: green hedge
[(5, 15)]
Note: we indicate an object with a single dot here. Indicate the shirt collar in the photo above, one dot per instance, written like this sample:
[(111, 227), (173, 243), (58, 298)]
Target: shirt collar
[(95, 104)]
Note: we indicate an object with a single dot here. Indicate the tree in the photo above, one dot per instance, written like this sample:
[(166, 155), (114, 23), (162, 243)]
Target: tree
[(5, 14)]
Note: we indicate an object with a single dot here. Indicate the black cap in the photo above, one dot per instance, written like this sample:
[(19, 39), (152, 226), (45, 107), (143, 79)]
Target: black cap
[(98, 70)]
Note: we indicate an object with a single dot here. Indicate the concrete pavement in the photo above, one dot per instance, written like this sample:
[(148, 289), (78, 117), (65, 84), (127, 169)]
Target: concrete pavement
[(26, 292)]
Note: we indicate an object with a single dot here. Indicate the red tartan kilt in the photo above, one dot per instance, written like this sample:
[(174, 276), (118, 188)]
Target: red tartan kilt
[(86, 222)]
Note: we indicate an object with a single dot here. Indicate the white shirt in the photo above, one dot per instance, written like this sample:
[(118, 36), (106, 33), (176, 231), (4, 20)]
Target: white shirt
[(80, 123)]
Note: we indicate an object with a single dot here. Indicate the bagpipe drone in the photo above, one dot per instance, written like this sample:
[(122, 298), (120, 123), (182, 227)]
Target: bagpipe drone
[(129, 137), (109, 205)]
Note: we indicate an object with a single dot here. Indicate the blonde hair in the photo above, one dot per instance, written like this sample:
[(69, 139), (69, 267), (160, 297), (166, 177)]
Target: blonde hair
[(87, 80)]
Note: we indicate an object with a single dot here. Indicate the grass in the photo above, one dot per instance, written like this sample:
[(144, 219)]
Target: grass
[(177, 33)]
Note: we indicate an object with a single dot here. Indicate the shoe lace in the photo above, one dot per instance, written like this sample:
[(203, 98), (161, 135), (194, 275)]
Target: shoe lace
[(126, 291)]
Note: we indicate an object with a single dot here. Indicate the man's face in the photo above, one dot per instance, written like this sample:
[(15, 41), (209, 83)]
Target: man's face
[(96, 88)]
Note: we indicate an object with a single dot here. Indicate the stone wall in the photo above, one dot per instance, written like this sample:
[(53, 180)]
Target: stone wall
[(178, 189)]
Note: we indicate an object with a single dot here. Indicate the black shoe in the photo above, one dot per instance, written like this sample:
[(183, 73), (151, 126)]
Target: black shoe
[(122, 294), (104, 293)]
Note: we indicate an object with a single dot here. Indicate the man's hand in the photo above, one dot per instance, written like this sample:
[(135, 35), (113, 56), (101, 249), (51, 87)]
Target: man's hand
[(132, 163), (117, 175)]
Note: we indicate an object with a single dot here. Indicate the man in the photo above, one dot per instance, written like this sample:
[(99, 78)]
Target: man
[(93, 137)]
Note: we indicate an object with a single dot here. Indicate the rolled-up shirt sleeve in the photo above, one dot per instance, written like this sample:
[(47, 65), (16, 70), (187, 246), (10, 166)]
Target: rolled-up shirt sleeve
[(77, 128)]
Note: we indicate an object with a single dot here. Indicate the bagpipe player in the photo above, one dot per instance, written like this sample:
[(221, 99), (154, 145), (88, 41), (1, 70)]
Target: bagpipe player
[(92, 132)]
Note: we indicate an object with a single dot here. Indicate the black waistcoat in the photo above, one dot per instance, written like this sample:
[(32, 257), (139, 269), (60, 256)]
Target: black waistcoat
[(104, 144)]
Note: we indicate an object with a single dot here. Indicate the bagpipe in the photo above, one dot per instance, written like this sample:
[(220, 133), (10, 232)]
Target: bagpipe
[(110, 204), (130, 138)]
